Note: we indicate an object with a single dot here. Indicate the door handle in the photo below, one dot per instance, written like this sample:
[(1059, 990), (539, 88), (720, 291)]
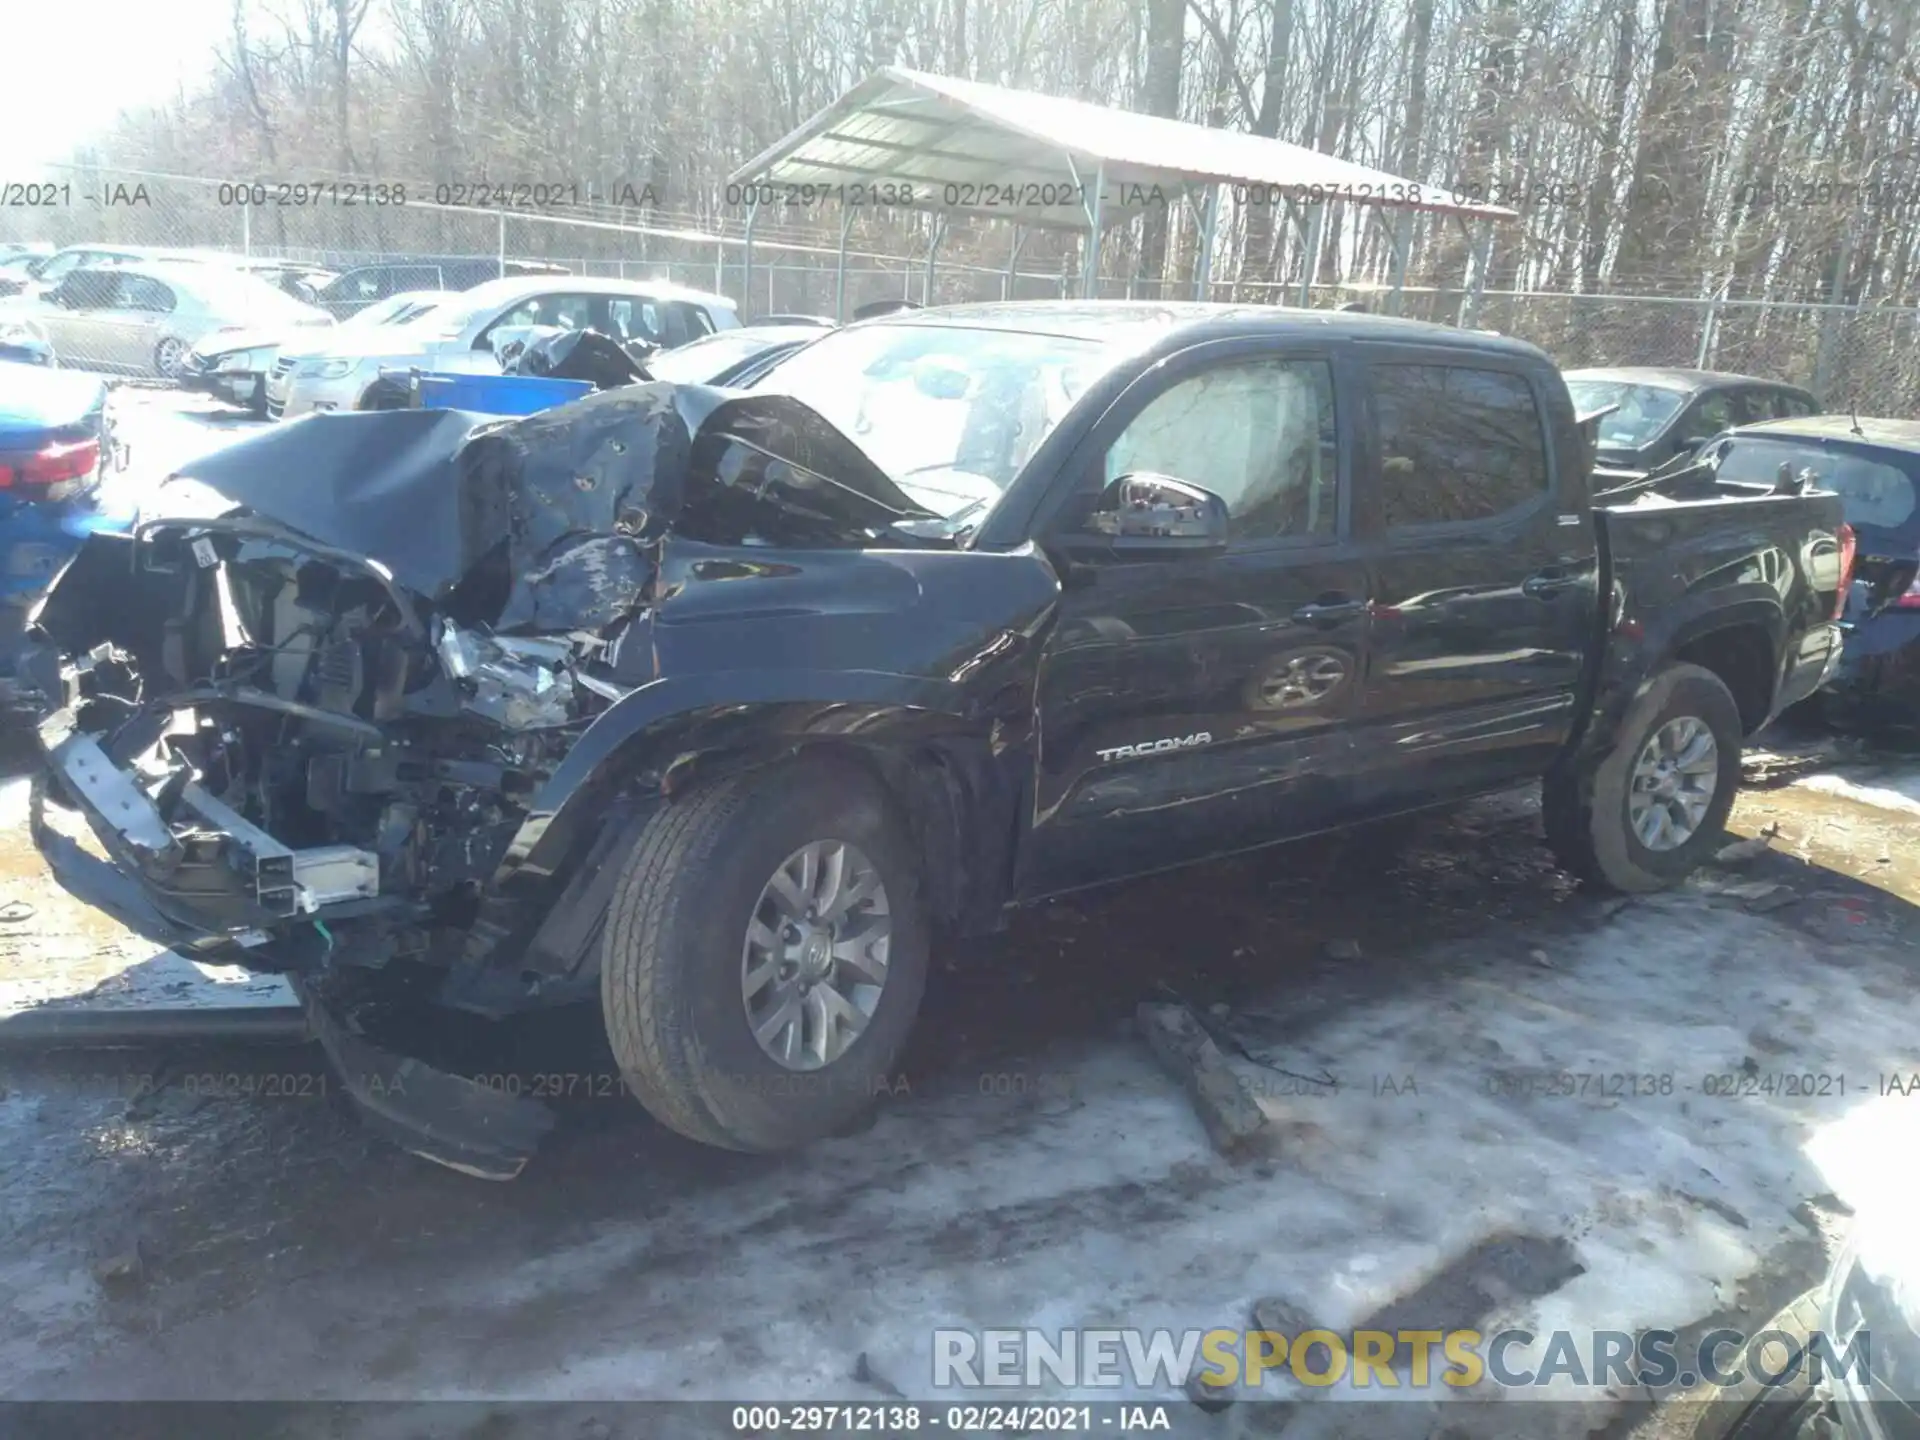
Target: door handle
[(1547, 584), (1330, 610)]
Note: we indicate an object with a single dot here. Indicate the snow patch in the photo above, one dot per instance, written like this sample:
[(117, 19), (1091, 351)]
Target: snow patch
[(1898, 792)]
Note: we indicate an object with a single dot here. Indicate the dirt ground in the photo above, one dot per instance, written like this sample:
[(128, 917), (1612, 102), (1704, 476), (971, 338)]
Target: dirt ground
[(200, 1221)]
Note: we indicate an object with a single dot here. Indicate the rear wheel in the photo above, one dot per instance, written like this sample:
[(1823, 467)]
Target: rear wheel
[(764, 956), (1655, 807)]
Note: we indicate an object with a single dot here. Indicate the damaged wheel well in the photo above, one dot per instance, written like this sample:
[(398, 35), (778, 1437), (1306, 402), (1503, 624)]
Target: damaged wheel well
[(1743, 657), (939, 797)]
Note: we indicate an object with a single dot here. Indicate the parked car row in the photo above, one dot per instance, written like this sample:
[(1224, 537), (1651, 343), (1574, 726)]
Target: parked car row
[(144, 317), (463, 333)]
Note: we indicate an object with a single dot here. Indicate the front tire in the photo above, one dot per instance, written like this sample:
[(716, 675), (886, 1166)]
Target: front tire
[(168, 356), (764, 956), (1753, 1410), (1656, 806)]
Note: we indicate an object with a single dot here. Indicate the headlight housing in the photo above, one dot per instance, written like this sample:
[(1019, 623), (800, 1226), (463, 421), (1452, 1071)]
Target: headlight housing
[(324, 369), (240, 362)]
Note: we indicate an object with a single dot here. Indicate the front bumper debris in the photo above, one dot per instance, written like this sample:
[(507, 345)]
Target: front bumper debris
[(239, 387), (438, 1116), (211, 871), (96, 882)]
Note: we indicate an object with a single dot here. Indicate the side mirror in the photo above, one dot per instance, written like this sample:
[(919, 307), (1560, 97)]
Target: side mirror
[(1143, 516)]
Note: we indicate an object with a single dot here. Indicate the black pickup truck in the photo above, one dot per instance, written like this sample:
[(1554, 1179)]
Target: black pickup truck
[(719, 705)]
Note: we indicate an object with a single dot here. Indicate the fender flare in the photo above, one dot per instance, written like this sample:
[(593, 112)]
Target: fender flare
[(1670, 629), (1714, 610), (722, 709)]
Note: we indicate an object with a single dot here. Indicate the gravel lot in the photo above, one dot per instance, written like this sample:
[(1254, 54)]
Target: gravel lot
[(199, 1221)]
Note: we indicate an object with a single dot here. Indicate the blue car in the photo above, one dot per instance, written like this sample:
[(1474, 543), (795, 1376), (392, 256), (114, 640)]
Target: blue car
[(1874, 466), (56, 446)]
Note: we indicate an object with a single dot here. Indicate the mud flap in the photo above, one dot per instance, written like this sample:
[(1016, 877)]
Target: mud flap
[(438, 1116)]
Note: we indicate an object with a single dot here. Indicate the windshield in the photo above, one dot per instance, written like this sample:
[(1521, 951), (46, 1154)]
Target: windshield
[(951, 413), (1645, 410), (401, 309), (244, 296)]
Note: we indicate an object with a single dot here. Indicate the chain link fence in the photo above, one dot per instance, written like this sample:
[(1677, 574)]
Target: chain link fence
[(1866, 358)]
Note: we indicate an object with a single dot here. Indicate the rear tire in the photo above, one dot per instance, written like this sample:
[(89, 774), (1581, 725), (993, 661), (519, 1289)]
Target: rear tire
[(677, 952), (1596, 827)]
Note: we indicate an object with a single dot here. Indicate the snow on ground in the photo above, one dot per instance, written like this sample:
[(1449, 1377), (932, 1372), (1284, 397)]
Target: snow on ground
[(1102, 1204), (1899, 792)]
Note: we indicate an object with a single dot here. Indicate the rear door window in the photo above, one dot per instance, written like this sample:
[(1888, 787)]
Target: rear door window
[(1458, 444), (137, 292), (90, 290), (1713, 412), (697, 321)]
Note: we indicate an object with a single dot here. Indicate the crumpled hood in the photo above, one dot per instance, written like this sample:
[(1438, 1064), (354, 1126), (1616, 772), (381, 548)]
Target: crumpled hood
[(571, 497), (257, 337)]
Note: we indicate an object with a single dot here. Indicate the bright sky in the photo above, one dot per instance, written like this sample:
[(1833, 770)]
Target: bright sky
[(69, 70)]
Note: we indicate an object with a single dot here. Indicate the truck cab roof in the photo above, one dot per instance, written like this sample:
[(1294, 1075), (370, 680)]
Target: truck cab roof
[(1193, 321)]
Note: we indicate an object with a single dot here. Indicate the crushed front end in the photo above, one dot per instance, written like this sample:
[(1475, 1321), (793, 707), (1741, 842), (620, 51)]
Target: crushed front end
[(311, 709), (305, 709), (291, 765)]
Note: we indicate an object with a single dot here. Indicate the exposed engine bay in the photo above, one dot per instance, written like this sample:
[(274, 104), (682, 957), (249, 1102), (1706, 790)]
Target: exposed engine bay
[(313, 748), (312, 706)]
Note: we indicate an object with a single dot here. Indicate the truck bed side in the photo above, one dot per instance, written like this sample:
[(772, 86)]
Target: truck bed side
[(1745, 585)]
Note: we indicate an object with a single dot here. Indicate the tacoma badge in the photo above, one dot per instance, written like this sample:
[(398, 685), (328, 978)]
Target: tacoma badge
[(1154, 747)]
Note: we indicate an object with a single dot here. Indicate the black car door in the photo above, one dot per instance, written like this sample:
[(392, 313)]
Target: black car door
[(1483, 572), (1191, 706)]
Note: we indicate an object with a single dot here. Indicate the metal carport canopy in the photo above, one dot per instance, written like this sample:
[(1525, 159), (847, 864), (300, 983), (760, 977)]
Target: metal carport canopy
[(1049, 161)]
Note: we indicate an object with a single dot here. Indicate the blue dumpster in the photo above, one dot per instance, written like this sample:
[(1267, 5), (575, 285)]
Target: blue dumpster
[(499, 394)]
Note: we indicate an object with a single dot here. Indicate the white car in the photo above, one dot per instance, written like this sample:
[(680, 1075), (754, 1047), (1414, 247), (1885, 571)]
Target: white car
[(252, 367), (459, 335), (144, 318)]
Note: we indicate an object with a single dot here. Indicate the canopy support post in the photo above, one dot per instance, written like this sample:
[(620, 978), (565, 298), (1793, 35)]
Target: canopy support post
[(1399, 227), (1479, 248), (746, 259), (933, 251), (1090, 270), (1310, 262), (1203, 262), (840, 267), (1012, 277)]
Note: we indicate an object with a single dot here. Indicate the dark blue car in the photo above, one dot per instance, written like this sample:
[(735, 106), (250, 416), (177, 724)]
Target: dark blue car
[(1874, 466), (56, 445)]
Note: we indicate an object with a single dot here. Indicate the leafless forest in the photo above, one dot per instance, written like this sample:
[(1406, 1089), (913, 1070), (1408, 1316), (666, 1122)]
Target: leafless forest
[(1756, 148)]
